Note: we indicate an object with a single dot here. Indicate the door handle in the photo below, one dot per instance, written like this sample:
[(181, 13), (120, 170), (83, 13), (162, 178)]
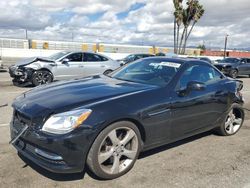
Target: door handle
[(103, 66)]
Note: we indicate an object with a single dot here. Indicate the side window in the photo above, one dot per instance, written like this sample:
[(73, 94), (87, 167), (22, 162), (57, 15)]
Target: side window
[(243, 61), (248, 61), (93, 57), (199, 73), (75, 57)]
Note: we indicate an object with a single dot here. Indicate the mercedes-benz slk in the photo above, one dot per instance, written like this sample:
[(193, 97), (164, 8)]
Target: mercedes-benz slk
[(105, 121)]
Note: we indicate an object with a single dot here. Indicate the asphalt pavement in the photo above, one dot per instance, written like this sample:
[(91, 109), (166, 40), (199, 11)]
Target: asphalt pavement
[(205, 160)]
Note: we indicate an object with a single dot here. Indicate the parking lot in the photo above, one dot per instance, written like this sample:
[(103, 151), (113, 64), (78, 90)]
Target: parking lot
[(206, 160)]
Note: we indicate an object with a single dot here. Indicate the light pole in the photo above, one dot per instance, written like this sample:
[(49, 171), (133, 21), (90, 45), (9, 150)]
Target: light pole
[(26, 34), (225, 48)]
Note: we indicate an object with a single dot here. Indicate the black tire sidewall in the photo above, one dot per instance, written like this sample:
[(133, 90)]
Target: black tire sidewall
[(107, 72), (234, 73), (33, 80), (221, 129), (92, 159)]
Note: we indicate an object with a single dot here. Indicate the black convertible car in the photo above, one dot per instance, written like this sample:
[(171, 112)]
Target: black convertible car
[(234, 67), (106, 121)]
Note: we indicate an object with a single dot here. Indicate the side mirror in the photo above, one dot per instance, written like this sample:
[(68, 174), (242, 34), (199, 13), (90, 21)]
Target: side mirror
[(192, 86), (65, 61), (195, 86)]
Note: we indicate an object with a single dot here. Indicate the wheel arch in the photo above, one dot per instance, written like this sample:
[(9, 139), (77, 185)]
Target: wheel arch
[(107, 70), (131, 120)]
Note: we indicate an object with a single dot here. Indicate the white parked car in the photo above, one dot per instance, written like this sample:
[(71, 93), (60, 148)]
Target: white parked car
[(61, 66)]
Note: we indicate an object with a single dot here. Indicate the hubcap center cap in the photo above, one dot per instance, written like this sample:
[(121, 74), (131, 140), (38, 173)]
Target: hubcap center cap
[(118, 149)]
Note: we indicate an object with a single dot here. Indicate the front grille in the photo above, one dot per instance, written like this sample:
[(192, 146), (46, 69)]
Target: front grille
[(19, 117)]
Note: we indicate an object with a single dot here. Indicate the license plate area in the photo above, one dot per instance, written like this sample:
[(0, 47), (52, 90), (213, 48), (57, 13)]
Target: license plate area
[(17, 129)]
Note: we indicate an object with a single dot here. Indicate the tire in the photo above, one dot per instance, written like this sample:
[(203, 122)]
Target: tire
[(233, 122), (115, 150), (41, 77), (106, 72), (234, 73), (249, 75)]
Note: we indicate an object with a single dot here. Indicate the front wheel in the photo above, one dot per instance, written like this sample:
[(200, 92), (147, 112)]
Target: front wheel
[(234, 73), (41, 77), (115, 150)]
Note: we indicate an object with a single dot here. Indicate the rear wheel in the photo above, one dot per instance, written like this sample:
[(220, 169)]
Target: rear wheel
[(234, 73), (232, 123), (115, 150), (41, 77)]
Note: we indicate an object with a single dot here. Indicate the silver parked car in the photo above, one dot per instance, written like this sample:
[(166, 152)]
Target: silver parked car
[(61, 66)]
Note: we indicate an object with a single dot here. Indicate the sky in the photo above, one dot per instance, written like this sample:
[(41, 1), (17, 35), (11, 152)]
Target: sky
[(141, 22)]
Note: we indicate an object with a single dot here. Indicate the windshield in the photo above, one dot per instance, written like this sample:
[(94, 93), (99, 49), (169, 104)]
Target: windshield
[(230, 60), (58, 55), (148, 71), (129, 57)]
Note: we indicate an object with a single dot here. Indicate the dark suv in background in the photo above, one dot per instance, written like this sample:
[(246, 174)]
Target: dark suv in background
[(234, 66), (133, 57)]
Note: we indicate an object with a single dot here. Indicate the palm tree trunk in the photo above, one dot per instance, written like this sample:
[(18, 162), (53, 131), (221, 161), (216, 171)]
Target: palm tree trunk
[(175, 36), (182, 37), (185, 43), (177, 41), (186, 38), (190, 31)]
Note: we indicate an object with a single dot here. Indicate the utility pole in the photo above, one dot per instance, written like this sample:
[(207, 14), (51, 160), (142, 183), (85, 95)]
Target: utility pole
[(225, 48), (26, 34)]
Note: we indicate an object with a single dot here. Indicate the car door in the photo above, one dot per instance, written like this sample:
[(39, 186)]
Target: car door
[(248, 66), (197, 111), (93, 64), (69, 67), (244, 67)]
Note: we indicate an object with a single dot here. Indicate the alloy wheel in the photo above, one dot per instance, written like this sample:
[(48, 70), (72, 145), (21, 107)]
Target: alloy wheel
[(233, 123), (234, 74), (118, 150), (43, 77)]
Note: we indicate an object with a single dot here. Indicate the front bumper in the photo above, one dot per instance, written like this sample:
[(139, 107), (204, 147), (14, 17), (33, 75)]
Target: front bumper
[(58, 154), (20, 75)]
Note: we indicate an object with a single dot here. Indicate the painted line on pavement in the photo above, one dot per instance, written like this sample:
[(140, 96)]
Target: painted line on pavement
[(4, 125), (12, 92)]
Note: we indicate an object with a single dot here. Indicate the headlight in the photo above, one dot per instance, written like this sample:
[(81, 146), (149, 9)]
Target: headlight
[(65, 122)]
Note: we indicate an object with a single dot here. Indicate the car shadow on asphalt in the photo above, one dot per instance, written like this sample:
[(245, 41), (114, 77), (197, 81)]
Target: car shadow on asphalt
[(78, 176), (174, 144), (51, 175)]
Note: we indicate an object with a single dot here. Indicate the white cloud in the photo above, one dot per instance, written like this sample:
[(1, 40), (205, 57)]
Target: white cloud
[(151, 24)]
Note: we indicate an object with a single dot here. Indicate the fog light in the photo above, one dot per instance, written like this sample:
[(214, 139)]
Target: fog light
[(48, 155)]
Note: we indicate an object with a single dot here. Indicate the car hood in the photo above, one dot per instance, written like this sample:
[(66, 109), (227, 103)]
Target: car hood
[(224, 64), (63, 96), (30, 60)]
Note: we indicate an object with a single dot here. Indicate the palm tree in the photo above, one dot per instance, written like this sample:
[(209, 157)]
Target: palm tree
[(185, 16), (197, 14), (177, 22), (188, 15)]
